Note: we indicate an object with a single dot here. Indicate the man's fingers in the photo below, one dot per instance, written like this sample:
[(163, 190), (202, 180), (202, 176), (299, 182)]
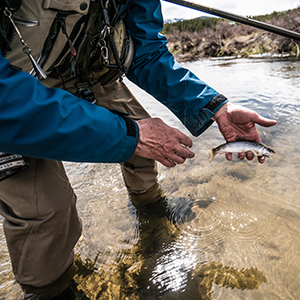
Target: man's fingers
[(228, 156), (179, 156), (265, 122), (185, 140), (261, 159), (163, 143), (184, 152), (241, 156), (249, 155), (177, 159), (167, 162)]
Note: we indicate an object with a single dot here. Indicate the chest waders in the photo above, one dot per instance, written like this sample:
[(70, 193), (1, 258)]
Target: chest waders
[(102, 53)]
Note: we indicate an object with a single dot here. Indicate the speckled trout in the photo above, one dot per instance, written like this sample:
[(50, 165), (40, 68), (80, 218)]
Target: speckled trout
[(256, 148)]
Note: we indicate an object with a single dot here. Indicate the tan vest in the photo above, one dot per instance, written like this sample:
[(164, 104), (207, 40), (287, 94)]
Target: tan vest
[(35, 20)]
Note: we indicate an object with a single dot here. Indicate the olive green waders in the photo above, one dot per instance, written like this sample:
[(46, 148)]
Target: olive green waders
[(39, 205)]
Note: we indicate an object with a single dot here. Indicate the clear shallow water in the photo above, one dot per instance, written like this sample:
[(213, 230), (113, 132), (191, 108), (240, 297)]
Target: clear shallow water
[(233, 227)]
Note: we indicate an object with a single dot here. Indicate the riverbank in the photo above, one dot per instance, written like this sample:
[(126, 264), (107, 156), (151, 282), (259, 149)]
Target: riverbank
[(229, 39)]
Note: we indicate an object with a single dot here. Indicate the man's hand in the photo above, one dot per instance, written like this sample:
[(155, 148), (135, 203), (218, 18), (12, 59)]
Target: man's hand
[(163, 143), (238, 122)]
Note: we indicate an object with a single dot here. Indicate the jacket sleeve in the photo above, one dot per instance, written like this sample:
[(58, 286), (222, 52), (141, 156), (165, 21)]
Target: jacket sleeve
[(155, 70), (50, 123)]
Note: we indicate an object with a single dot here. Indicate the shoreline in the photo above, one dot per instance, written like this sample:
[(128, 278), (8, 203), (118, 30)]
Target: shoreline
[(254, 56), (228, 39), (251, 56)]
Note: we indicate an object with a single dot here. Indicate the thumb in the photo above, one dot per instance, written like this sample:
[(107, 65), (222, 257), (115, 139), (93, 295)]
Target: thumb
[(265, 122)]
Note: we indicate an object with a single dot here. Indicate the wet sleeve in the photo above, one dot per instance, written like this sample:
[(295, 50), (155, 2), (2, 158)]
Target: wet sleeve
[(50, 123), (155, 70)]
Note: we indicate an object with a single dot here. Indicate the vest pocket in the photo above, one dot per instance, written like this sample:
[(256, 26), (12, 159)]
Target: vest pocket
[(79, 6)]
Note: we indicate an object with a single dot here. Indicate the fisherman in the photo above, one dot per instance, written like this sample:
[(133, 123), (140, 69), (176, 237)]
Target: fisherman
[(63, 99)]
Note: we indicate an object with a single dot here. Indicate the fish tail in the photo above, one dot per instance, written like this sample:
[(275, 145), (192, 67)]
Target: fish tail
[(212, 155)]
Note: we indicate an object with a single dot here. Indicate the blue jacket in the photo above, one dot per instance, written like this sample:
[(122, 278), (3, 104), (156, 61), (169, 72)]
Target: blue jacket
[(50, 123)]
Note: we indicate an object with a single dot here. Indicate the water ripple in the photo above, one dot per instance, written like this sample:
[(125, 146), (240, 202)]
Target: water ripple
[(290, 112), (244, 226), (209, 220), (204, 221)]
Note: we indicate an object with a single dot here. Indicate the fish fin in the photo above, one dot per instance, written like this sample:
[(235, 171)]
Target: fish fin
[(212, 155), (267, 155), (256, 153)]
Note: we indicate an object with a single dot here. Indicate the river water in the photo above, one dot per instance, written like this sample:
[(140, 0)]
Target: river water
[(232, 231)]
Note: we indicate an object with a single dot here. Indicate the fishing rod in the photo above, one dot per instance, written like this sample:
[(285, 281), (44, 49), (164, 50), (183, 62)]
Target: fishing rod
[(236, 18)]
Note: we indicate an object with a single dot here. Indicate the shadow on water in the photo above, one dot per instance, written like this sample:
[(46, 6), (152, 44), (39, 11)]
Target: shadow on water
[(226, 230)]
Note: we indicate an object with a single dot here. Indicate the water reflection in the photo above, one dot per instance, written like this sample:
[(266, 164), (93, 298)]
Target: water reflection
[(248, 279), (181, 266), (166, 262)]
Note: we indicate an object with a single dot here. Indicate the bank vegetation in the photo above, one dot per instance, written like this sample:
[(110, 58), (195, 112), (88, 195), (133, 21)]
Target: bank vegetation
[(191, 40)]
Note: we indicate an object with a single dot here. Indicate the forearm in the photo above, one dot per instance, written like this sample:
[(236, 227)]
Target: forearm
[(155, 70), (50, 123)]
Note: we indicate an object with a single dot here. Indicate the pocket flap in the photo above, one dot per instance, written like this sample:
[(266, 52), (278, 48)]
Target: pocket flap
[(79, 6)]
